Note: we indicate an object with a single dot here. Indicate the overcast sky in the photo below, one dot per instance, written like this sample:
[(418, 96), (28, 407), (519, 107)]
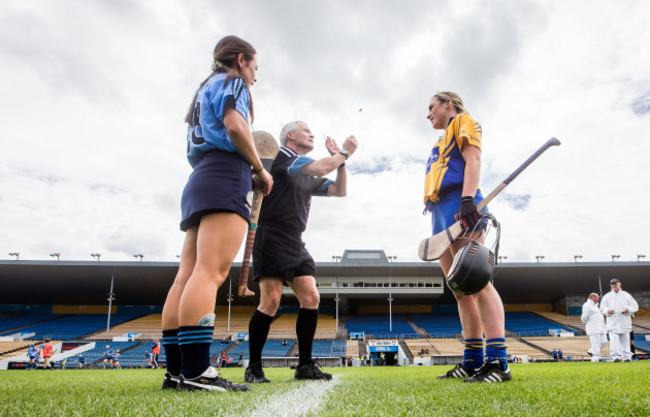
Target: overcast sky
[(93, 95)]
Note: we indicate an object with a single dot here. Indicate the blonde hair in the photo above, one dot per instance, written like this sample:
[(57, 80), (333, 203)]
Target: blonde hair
[(455, 99)]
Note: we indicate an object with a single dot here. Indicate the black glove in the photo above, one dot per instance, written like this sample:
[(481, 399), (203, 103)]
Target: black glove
[(468, 214)]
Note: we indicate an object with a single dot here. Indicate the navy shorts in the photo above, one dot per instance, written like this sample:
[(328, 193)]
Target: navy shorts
[(220, 182), (443, 213), (279, 253)]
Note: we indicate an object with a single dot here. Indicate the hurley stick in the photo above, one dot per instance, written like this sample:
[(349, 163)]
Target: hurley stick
[(435, 246)]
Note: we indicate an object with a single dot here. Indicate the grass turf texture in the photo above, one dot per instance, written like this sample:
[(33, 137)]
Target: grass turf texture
[(544, 389)]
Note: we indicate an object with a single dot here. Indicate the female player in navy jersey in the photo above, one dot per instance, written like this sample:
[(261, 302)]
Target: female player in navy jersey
[(451, 191), (215, 205)]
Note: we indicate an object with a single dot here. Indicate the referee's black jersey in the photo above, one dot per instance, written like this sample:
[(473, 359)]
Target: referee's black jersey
[(288, 204)]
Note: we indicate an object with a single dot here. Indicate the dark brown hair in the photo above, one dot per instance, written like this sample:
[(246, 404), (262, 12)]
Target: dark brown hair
[(225, 60)]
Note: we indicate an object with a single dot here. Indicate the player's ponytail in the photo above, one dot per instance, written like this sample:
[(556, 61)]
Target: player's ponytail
[(225, 60)]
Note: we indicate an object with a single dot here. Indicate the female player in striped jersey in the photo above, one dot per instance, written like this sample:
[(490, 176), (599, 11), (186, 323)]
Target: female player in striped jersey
[(216, 206), (451, 191)]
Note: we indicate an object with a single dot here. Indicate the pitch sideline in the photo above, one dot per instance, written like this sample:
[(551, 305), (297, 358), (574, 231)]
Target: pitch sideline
[(302, 399)]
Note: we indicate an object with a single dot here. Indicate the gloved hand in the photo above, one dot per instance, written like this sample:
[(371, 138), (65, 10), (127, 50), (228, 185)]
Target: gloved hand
[(468, 214)]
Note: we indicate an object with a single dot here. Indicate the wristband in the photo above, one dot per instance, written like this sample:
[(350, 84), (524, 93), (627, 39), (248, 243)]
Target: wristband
[(257, 171)]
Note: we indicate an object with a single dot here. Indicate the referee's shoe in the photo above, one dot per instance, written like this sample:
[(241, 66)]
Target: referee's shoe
[(311, 371), (491, 372), (255, 374), (210, 381), (459, 371)]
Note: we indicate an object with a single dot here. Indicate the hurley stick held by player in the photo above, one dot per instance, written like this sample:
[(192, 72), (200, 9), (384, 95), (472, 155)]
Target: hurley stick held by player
[(267, 149)]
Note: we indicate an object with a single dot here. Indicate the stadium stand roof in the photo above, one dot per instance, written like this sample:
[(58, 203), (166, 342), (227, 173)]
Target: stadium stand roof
[(147, 283)]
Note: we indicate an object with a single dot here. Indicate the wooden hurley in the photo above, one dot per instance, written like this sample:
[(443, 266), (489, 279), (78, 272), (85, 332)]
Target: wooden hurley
[(267, 149), (434, 247)]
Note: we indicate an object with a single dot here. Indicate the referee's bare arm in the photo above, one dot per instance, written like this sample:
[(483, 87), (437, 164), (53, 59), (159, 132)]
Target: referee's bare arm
[(336, 161)]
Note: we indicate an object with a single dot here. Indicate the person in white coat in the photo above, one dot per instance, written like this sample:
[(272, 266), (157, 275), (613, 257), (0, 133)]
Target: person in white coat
[(594, 326), (618, 306)]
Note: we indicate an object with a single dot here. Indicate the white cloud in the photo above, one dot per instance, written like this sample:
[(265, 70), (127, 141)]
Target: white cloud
[(93, 96)]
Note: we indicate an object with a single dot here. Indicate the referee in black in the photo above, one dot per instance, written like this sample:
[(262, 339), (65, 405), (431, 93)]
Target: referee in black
[(279, 254)]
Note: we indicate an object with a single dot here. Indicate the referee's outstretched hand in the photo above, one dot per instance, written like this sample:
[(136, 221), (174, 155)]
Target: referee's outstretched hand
[(262, 182), (350, 145)]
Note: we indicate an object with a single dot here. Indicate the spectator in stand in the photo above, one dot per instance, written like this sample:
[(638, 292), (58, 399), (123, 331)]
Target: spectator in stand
[(47, 351), (594, 326), (155, 351), (618, 306), (32, 354), (240, 361), (81, 361)]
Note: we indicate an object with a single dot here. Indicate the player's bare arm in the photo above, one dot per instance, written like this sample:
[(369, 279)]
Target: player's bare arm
[(324, 166), (472, 156)]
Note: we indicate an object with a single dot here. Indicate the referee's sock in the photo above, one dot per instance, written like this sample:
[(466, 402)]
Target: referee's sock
[(194, 343), (258, 331), (495, 350), (305, 330), (172, 351), (473, 354)]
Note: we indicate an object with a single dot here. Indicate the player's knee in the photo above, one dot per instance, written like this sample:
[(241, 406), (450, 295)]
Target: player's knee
[(270, 302), (310, 300)]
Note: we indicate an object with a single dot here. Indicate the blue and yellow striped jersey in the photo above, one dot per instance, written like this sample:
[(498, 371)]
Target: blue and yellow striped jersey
[(446, 166)]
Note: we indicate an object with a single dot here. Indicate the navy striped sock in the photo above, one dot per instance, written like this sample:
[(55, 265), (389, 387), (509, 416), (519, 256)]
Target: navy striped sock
[(495, 350), (473, 354), (194, 343), (172, 351)]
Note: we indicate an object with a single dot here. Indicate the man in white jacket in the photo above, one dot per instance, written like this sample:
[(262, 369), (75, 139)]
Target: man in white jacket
[(618, 306), (594, 326)]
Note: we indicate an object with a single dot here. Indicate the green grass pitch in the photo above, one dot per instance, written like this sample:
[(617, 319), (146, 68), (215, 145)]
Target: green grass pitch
[(540, 389)]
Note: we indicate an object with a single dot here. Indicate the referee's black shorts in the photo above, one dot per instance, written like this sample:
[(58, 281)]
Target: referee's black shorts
[(280, 253)]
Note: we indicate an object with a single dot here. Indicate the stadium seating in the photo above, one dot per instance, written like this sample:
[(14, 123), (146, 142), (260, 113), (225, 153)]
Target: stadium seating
[(16, 323), (352, 348), (72, 326), (378, 326), (8, 349), (418, 345), (641, 343), (572, 322), (574, 347), (97, 354), (438, 325), (240, 316), (283, 327), (149, 326), (524, 323), (339, 348), (272, 349)]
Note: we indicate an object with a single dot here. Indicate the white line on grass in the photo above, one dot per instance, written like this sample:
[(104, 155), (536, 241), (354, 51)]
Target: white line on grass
[(304, 398)]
